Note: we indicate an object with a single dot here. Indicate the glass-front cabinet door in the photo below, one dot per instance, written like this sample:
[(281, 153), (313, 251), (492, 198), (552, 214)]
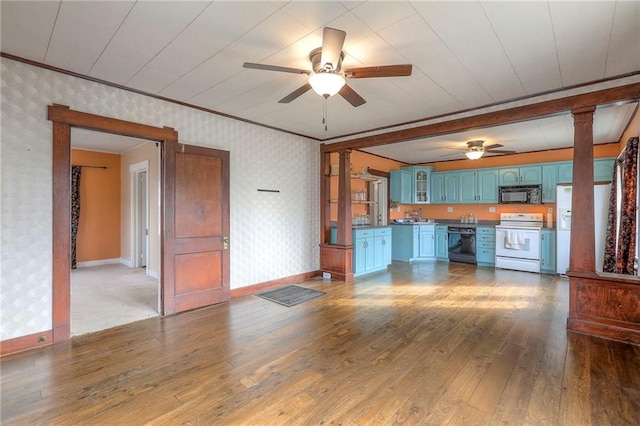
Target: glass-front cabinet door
[(422, 179)]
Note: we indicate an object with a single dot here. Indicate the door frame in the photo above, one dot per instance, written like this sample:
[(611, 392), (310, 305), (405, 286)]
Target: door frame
[(64, 119), (134, 172)]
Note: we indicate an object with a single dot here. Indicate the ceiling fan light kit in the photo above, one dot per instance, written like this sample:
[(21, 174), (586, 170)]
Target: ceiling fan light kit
[(474, 153), (326, 84)]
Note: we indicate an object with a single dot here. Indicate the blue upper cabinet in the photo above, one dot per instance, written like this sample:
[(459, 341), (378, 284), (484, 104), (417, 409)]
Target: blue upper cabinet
[(549, 182), (411, 185), (421, 182), (603, 169), (401, 190), (444, 187), (528, 175), (488, 186), (467, 182), (437, 187), (479, 186), (565, 172)]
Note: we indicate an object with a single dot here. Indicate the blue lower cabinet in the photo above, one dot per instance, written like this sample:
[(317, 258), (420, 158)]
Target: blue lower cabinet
[(442, 242), (413, 242), (371, 250), (486, 246), (548, 251)]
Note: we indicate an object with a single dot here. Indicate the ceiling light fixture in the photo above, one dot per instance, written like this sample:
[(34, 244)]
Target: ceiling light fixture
[(474, 152), (326, 84)]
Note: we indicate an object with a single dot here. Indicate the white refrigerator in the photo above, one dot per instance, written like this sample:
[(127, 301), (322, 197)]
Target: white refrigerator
[(563, 224)]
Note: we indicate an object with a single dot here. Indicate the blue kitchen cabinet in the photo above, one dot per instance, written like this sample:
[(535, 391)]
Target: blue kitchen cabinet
[(565, 172), (427, 242), (401, 186), (527, 175), (548, 251), (487, 186), (444, 187), (549, 182), (479, 186), (421, 183), (468, 183), (442, 242), (371, 249), (486, 246), (413, 242), (437, 187), (603, 169), (404, 242)]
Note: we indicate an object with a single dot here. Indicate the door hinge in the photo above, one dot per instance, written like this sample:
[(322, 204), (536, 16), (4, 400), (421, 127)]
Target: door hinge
[(225, 243)]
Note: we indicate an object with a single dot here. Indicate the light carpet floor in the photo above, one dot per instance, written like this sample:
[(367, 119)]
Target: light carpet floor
[(110, 295)]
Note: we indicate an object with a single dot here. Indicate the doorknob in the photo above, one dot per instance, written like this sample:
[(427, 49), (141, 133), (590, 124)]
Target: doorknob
[(225, 243)]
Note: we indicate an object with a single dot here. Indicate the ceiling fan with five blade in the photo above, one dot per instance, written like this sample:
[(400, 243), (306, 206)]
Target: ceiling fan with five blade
[(327, 77)]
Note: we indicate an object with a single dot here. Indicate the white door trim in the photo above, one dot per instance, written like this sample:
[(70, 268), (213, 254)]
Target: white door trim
[(134, 170)]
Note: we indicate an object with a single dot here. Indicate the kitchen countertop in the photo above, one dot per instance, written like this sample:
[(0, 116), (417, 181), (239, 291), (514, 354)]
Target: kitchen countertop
[(451, 222)]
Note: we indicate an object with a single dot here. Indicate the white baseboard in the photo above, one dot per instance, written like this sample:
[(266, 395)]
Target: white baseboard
[(125, 262), (154, 274), (100, 262)]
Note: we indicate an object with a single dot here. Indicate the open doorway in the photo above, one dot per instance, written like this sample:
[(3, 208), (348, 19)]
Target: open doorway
[(118, 242)]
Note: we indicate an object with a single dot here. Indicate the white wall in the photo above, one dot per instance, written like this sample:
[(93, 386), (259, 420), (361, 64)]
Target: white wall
[(273, 235)]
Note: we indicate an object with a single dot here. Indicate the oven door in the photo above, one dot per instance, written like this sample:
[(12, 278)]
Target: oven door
[(518, 243)]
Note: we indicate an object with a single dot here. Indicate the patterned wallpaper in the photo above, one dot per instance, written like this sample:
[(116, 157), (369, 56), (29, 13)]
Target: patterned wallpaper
[(273, 235)]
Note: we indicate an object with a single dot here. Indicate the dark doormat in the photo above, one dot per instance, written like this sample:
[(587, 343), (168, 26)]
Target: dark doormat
[(290, 295)]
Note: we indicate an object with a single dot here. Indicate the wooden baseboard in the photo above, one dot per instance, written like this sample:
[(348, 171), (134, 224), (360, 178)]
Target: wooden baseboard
[(256, 288), (24, 343)]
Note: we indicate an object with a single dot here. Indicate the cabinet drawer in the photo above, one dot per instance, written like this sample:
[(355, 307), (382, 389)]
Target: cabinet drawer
[(442, 228), (485, 237), (483, 230), (379, 232), (362, 233), (486, 245), (486, 255)]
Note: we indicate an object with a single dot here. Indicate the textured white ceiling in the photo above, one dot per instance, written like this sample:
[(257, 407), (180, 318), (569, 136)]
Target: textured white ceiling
[(464, 54)]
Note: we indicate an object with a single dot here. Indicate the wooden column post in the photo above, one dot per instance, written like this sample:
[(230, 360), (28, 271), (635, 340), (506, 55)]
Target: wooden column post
[(582, 253), (337, 259), (345, 234)]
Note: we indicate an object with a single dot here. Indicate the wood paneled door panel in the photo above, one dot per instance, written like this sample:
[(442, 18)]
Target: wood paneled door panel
[(196, 246)]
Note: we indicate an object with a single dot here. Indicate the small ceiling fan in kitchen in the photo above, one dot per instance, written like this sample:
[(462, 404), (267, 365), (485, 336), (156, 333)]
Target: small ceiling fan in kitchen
[(327, 77), (476, 149)]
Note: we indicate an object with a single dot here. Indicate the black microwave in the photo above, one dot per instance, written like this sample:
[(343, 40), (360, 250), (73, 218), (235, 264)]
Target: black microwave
[(525, 194)]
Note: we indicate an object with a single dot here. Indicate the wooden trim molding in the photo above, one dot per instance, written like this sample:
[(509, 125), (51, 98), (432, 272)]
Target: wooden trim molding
[(604, 305), (509, 115), (257, 288), (64, 119), (337, 260), (23, 343)]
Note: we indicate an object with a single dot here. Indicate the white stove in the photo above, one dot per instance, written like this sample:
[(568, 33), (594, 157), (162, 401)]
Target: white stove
[(518, 241)]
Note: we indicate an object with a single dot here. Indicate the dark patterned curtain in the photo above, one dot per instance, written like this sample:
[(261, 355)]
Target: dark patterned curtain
[(611, 241), (76, 172), (624, 245)]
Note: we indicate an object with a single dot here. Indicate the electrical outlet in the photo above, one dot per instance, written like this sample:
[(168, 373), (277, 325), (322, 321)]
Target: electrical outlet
[(492, 209), (550, 210), (449, 209)]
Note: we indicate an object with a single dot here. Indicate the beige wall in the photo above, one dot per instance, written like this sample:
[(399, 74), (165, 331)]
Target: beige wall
[(146, 152)]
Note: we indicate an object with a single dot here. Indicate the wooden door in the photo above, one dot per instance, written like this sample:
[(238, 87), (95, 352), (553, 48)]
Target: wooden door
[(196, 244)]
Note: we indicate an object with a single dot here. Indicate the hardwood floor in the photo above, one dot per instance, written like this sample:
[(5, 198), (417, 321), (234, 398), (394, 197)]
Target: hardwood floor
[(429, 343)]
